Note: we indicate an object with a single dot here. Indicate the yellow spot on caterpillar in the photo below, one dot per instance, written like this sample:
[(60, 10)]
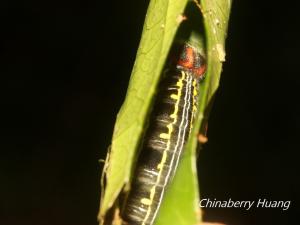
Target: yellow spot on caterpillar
[(173, 96), (146, 201), (170, 127), (164, 136), (159, 166), (179, 83), (152, 192), (195, 88), (163, 161), (195, 92), (173, 116)]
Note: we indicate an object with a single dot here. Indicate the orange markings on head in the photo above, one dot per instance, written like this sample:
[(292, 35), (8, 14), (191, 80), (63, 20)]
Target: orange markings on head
[(200, 71), (187, 59)]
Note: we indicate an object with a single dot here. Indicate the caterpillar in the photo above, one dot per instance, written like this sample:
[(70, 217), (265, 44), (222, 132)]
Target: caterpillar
[(169, 127)]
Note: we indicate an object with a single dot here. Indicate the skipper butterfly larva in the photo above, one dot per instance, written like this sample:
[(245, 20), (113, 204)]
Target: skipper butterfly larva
[(169, 128)]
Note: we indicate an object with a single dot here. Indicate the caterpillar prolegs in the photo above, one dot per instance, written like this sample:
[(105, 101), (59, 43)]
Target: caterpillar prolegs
[(169, 128)]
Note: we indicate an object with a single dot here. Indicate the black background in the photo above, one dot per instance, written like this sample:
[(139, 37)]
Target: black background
[(65, 67)]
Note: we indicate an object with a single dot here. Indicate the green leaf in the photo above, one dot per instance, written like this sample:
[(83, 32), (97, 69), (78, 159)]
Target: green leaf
[(180, 204), (159, 30), (216, 16)]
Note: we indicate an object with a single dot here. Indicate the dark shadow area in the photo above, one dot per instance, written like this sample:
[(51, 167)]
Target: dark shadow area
[(65, 67), (253, 129)]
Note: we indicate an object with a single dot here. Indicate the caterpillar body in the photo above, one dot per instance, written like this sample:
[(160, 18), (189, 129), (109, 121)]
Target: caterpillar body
[(169, 128)]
